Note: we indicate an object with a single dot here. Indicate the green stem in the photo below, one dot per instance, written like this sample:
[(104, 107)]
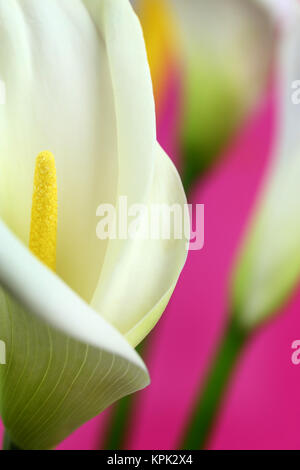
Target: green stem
[(117, 429), (8, 444), (119, 422), (206, 409), (118, 425)]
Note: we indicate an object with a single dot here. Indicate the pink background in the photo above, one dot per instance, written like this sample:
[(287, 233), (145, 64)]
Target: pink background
[(261, 409)]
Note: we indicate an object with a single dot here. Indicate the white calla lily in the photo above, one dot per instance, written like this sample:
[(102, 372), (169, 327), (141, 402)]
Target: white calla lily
[(224, 49), (227, 34), (227, 46), (269, 264), (77, 82)]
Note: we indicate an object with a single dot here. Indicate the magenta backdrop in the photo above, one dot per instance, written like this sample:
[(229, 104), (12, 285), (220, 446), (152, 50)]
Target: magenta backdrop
[(261, 409)]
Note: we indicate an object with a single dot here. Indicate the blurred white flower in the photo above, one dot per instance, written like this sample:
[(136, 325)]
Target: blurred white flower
[(225, 49), (269, 264)]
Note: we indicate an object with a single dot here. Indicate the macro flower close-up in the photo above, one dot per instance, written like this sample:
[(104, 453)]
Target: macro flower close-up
[(149, 255), (67, 325)]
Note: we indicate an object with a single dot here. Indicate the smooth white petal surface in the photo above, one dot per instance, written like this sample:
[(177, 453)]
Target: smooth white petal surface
[(146, 268), (135, 113), (77, 84), (58, 97), (149, 268), (65, 363), (133, 95)]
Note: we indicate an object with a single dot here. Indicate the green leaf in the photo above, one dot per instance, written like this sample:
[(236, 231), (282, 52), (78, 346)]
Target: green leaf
[(65, 364)]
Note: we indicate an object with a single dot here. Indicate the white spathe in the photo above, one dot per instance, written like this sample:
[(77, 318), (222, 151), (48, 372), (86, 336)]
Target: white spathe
[(236, 36), (268, 266), (78, 84)]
